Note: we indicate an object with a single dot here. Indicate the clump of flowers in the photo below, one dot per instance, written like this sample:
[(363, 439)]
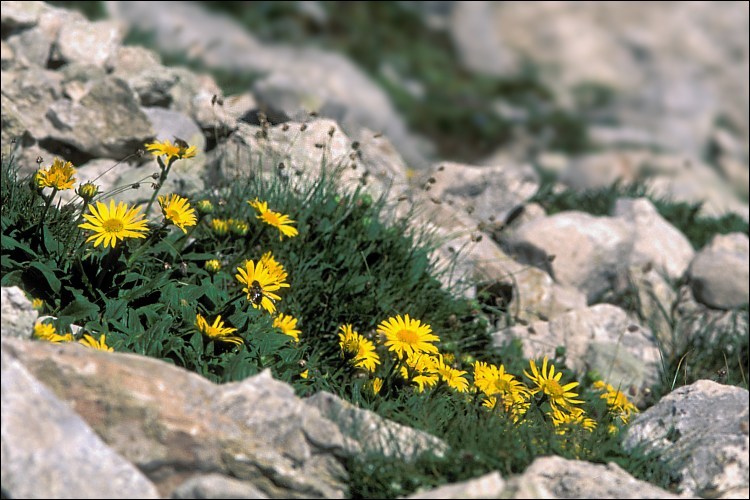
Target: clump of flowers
[(114, 223), (176, 210), (217, 330), (280, 221)]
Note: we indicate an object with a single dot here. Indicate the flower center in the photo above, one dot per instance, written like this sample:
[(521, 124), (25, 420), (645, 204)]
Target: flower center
[(173, 215), (271, 218), (553, 389), (407, 336), (502, 385), (113, 225)]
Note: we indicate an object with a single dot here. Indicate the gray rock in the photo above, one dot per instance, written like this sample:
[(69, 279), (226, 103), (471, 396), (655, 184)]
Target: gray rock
[(174, 424), (669, 83), (719, 273), (590, 253), (18, 317), (657, 242), (491, 192), (600, 338), (375, 434), (488, 486), (106, 122), (216, 486), (50, 452), (88, 42), (18, 16), (701, 432), (555, 477)]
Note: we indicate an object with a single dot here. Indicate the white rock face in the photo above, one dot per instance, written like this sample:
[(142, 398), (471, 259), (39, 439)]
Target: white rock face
[(701, 431), (600, 338), (50, 452), (18, 317), (719, 273), (590, 253), (657, 242)]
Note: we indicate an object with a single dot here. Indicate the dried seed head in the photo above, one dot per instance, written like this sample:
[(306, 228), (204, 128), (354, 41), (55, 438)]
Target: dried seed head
[(331, 131), (355, 145), (285, 127), (303, 127), (39, 160)]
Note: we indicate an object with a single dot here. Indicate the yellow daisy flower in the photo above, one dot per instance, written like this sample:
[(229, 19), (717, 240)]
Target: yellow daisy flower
[(287, 325), (260, 285), (204, 207), (375, 385), (113, 223), (49, 333), (275, 219), (100, 344), (37, 304), (453, 377), (548, 382), (406, 336), (617, 402), (421, 369), (178, 150), (176, 210), (359, 350), (238, 227), (58, 176), (563, 420), (217, 331), (274, 267)]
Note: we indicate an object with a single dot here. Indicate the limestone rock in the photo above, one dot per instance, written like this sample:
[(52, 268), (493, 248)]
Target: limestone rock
[(711, 461), (18, 317), (719, 273)]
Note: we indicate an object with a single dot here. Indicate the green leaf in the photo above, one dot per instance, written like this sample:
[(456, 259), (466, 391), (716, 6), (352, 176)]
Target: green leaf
[(9, 243), (81, 308), (48, 275)]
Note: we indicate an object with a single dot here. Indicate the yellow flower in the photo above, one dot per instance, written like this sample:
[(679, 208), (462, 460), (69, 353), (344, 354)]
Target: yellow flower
[(407, 336), (176, 210), (502, 386), (376, 385), (37, 304), (357, 349), (220, 226), (617, 402), (100, 344), (275, 219), (87, 191), (287, 325), (217, 331), (560, 396), (274, 267), (238, 227), (58, 176), (178, 150), (114, 222), (204, 207), (305, 374), (260, 285), (563, 420), (212, 266), (453, 377), (48, 332), (421, 369)]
